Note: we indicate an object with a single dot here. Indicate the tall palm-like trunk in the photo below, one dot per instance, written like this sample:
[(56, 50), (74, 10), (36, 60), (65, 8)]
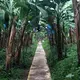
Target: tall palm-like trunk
[(76, 7), (59, 41), (27, 39), (63, 37), (10, 44), (31, 36), (64, 42), (0, 36), (18, 51), (70, 35)]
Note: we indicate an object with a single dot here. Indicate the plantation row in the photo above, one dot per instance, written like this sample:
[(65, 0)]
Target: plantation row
[(22, 22)]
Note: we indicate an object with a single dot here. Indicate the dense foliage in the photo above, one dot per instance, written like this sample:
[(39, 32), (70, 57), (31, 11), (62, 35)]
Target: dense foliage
[(54, 22), (66, 69)]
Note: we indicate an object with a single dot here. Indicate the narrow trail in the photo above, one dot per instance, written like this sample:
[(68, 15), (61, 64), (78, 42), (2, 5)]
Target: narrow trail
[(39, 69)]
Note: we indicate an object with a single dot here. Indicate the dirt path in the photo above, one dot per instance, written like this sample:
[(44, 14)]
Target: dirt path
[(39, 69)]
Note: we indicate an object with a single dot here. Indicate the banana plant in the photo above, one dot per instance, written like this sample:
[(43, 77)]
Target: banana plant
[(63, 13), (76, 8), (26, 6), (9, 6)]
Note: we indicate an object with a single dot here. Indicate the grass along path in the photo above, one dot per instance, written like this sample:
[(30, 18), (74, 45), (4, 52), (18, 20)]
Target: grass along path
[(66, 69)]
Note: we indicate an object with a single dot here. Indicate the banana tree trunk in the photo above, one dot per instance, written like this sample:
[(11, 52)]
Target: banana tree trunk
[(10, 44), (59, 41), (0, 36), (18, 51), (64, 42), (29, 39), (63, 38), (31, 36), (76, 7), (70, 35)]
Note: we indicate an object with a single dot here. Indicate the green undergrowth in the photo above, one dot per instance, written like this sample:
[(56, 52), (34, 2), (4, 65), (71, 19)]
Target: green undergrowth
[(50, 53), (66, 69), (18, 72)]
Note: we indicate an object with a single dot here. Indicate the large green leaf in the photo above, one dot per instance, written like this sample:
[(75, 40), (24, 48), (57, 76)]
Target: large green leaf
[(43, 12)]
